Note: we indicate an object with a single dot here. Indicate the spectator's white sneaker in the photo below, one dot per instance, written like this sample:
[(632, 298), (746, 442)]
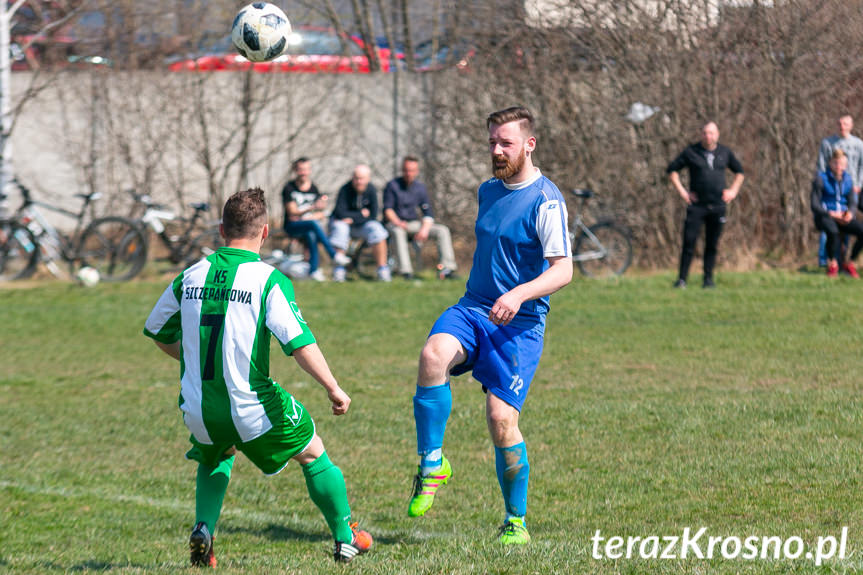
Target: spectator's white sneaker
[(318, 275), (341, 259), (384, 274), (340, 274)]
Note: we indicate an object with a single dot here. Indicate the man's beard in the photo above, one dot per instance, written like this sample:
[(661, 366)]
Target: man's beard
[(511, 168)]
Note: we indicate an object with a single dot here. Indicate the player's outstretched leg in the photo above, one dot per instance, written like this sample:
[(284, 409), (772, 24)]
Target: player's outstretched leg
[(432, 406), (513, 470), (326, 486), (211, 484)]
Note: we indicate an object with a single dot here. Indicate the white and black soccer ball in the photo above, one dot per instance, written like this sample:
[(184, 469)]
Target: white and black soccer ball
[(260, 32), (87, 276)]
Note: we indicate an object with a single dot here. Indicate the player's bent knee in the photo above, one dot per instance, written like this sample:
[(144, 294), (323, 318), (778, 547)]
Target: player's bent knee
[(314, 450), (432, 362)]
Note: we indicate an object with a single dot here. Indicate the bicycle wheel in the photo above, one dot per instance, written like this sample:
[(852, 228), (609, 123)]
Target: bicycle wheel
[(115, 246), (19, 252), (603, 251), (202, 246)]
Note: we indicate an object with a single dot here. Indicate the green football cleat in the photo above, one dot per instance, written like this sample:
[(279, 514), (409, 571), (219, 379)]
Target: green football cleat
[(513, 532), (425, 488)]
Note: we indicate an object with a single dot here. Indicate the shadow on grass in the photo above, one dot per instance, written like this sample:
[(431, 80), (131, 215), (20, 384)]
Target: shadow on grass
[(278, 533), (284, 533), (811, 270), (92, 565)]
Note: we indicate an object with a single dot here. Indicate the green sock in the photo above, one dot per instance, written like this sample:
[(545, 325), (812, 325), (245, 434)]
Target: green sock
[(210, 490), (326, 486)]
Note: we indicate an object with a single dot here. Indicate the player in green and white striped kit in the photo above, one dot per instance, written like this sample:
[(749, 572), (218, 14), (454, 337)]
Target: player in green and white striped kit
[(216, 318)]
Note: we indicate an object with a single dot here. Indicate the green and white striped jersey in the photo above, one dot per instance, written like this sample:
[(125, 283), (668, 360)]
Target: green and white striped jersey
[(223, 310)]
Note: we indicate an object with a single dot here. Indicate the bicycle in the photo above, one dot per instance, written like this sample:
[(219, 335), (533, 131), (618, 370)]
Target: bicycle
[(109, 244), (602, 249), (182, 247), (19, 252)]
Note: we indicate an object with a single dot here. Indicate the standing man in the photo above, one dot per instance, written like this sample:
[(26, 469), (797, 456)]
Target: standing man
[(848, 143), (496, 330), (706, 199), (853, 148), (304, 212), (216, 319), (405, 198), (355, 216)]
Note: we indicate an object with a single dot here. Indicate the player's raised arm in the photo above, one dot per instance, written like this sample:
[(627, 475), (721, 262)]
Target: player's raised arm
[(312, 361)]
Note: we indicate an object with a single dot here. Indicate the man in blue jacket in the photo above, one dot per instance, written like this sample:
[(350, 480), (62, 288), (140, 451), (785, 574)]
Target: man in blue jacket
[(833, 203)]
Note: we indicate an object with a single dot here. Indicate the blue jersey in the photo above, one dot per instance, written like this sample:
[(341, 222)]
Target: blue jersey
[(517, 228)]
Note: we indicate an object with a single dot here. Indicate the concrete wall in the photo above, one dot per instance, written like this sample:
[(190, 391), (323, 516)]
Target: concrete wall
[(107, 131)]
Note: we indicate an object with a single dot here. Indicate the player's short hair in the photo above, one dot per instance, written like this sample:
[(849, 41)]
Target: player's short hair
[(410, 158), (837, 154), (298, 161), (518, 114), (244, 215)]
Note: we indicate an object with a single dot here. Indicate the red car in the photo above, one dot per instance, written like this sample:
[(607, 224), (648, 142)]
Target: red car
[(309, 50)]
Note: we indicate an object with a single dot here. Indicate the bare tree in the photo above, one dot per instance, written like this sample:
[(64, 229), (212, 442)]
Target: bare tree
[(772, 75)]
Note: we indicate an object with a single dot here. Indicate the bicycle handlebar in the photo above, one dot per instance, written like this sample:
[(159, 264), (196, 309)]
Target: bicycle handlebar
[(144, 199), (147, 201)]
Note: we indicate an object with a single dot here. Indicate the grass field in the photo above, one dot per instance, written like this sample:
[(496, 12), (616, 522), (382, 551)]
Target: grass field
[(654, 410)]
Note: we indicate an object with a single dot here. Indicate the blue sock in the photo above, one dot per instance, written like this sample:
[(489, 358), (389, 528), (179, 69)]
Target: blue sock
[(432, 406), (512, 474)]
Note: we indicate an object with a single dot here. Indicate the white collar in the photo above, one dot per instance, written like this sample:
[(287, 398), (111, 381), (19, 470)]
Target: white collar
[(521, 185)]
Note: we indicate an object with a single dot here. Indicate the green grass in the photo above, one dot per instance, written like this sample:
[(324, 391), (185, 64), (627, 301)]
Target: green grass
[(653, 410)]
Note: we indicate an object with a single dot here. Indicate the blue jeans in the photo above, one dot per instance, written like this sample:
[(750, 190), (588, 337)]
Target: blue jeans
[(312, 234)]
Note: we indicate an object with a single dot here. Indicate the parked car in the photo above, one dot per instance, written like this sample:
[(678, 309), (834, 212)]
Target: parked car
[(311, 50)]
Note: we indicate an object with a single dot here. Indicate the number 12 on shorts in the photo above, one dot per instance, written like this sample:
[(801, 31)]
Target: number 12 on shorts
[(516, 384)]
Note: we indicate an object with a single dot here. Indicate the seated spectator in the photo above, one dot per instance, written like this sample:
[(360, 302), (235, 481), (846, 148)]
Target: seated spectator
[(304, 212), (405, 200), (853, 148), (833, 204), (355, 217)]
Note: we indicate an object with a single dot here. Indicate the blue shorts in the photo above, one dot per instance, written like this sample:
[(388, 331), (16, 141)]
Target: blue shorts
[(503, 358)]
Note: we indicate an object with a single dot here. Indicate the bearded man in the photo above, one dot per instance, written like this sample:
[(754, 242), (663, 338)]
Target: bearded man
[(523, 255)]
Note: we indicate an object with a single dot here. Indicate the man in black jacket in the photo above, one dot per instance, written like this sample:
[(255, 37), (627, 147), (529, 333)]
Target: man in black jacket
[(355, 216), (706, 198)]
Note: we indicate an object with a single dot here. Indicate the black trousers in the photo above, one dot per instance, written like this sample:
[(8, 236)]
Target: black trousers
[(835, 230), (712, 216)]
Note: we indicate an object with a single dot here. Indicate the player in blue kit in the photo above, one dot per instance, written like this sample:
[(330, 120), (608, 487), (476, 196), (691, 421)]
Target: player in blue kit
[(522, 256)]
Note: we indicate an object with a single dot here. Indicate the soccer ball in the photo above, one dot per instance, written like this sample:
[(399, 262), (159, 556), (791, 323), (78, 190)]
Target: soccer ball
[(260, 32), (87, 276)]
